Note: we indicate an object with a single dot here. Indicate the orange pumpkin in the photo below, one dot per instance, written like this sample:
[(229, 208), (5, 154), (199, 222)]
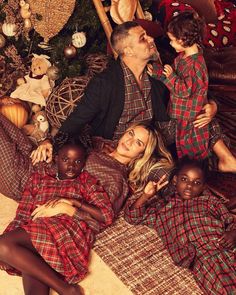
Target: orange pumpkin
[(15, 110)]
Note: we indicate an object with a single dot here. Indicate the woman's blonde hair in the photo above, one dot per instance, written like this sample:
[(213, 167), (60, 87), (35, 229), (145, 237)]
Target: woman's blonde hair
[(155, 156)]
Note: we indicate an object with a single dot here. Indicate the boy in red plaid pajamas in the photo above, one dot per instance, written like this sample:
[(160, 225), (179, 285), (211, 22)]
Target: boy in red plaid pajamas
[(188, 84), (53, 252), (196, 228)]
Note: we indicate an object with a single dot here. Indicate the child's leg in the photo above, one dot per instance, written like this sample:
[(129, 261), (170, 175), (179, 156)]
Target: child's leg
[(33, 286), (17, 250), (227, 161)]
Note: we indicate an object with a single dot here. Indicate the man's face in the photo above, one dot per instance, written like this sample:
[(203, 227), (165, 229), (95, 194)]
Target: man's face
[(141, 45)]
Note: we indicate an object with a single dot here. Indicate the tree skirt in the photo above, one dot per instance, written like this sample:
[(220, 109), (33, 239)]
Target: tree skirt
[(137, 256)]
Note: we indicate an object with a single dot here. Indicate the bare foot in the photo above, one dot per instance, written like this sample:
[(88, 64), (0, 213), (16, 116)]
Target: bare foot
[(227, 165)]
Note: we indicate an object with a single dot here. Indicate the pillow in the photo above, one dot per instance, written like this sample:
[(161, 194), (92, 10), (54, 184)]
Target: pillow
[(205, 8)]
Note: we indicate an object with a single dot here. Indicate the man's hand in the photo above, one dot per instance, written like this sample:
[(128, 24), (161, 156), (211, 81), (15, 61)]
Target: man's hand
[(208, 112), (42, 153)]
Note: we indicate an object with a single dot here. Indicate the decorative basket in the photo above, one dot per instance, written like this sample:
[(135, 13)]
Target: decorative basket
[(64, 98)]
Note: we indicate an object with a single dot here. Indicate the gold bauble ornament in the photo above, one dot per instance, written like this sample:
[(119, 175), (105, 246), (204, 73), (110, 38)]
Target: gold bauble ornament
[(53, 73), (54, 14), (70, 51), (2, 41)]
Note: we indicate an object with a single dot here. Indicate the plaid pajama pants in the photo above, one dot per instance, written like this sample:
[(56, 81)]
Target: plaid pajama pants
[(15, 164)]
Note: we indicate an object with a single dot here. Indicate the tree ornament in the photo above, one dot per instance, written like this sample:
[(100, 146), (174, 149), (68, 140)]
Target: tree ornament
[(2, 41), (9, 29), (70, 51), (54, 14), (79, 39), (53, 73), (24, 9), (27, 23)]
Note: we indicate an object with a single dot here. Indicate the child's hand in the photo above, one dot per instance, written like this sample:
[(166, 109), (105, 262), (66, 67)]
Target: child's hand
[(228, 239), (150, 69), (167, 70), (54, 202), (153, 187)]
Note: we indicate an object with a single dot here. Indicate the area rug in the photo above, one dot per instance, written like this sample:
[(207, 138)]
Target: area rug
[(137, 256)]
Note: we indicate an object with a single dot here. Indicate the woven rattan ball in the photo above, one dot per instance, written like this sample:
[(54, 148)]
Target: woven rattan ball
[(96, 63), (64, 98)]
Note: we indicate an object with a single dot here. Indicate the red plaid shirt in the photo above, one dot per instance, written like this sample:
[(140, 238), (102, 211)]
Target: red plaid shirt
[(64, 242), (190, 230), (188, 86), (138, 105)]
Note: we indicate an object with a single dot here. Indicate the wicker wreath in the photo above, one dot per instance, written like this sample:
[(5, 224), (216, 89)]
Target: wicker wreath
[(96, 63), (64, 98)]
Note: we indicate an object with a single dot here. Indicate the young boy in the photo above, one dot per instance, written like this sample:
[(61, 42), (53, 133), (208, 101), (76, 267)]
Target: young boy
[(196, 228), (188, 84), (53, 252)]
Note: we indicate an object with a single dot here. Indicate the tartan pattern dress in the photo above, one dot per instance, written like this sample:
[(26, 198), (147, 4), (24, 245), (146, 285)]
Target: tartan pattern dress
[(188, 86), (64, 242), (190, 230)]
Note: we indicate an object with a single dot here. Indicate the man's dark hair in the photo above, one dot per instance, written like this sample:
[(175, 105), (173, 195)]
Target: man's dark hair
[(120, 33)]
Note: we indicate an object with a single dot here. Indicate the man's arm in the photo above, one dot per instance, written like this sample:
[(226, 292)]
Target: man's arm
[(210, 110)]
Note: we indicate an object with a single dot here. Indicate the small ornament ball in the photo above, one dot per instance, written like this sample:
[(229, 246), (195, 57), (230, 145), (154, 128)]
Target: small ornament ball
[(2, 41), (79, 39), (70, 51)]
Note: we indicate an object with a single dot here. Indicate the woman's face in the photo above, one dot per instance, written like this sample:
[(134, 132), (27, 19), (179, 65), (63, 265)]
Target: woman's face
[(133, 142)]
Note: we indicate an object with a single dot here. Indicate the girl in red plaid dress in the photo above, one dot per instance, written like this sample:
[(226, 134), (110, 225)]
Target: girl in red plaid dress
[(45, 250), (195, 226)]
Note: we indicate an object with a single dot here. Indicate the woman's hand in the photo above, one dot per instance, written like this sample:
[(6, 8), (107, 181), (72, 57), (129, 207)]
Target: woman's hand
[(42, 153), (208, 112), (54, 202), (49, 211)]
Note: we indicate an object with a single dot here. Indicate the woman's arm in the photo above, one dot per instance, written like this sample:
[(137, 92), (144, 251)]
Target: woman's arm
[(42, 153)]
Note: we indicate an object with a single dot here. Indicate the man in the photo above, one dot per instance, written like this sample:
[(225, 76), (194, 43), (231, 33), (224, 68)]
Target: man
[(124, 93)]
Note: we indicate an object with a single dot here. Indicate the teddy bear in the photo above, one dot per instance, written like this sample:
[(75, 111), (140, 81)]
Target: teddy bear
[(36, 86), (39, 128)]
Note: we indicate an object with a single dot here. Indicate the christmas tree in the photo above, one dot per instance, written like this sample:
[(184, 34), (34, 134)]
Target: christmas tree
[(66, 31)]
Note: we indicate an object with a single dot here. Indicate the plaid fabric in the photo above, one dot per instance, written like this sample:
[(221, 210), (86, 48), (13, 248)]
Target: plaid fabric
[(15, 165), (64, 242), (112, 176), (188, 87), (192, 141), (137, 103), (190, 230)]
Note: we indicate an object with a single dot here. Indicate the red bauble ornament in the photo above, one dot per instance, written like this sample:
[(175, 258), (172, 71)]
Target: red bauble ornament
[(70, 51)]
